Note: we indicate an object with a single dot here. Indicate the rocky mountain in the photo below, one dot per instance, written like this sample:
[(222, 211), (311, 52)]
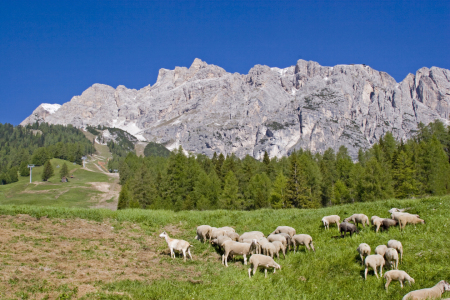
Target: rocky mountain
[(206, 109)]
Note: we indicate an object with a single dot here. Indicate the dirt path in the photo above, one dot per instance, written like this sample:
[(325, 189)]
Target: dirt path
[(110, 194)]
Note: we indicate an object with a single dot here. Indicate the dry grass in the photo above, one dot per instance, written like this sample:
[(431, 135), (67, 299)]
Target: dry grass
[(45, 258)]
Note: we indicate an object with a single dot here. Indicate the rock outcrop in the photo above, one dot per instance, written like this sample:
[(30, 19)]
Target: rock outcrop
[(207, 110)]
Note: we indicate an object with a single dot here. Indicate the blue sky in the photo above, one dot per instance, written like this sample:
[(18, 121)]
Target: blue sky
[(53, 50)]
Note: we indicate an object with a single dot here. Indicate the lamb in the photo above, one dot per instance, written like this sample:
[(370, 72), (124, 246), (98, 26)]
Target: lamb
[(303, 239), (235, 248), (386, 223), (405, 218), (277, 237), (430, 293), (279, 247), (358, 219), (333, 219), (363, 250), (345, 227), (285, 229), (397, 246), (178, 245), (374, 261), (258, 260), (391, 256), (203, 232), (376, 221), (401, 276), (381, 249)]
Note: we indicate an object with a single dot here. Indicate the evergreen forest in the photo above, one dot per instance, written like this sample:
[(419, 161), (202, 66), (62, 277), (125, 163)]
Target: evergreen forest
[(36, 144), (414, 168)]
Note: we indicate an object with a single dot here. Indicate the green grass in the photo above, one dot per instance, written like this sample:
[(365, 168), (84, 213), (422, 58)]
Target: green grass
[(332, 272), (75, 193)]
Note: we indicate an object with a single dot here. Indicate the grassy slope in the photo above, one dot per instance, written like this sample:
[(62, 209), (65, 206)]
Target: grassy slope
[(76, 193), (333, 272)]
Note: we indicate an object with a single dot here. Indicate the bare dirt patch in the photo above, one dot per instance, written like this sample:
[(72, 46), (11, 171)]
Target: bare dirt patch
[(48, 257), (109, 197)]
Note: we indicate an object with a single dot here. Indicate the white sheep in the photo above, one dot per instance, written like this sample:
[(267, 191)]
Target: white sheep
[(251, 235), (393, 210), (363, 250), (227, 228), (259, 260), (277, 237), (279, 247), (400, 276), (405, 218), (391, 257), (215, 233), (220, 240), (288, 239), (232, 235), (397, 246), (178, 245), (302, 239), (376, 221), (431, 293), (267, 247), (374, 261), (381, 249), (358, 219), (333, 219), (235, 248), (285, 229), (203, 232)]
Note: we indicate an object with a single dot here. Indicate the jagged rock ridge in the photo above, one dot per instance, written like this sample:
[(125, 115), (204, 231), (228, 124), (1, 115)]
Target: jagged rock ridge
[(205, 109)]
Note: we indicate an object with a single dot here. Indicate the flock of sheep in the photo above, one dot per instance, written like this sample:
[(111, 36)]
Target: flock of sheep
[(262, 250)]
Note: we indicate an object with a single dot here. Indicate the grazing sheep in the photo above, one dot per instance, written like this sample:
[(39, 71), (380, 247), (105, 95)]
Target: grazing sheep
[(358, 219), (397, 246), (376, 221), (268, 248), (259, 260), (345, 227), (430, 293), (227, 229), (220, 240), (285, 229), (261, 242), (405, 218), (386, 223), (279, 247), (250, 235), (393, 210), (235, 248), (401, 276), (232, 235), (277, 237), (381, 249), (391, 256), (333, 219), (396, 214), (288, 239), (363, 250), (178, 245), (374, 261), (203, 232), (303, 239)]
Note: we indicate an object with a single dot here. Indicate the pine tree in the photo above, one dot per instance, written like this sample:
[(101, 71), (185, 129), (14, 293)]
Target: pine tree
[(48, 171), (64, 172), (259, 188), (23, 169), (296, 188), (403, 175), (124, 197), (229, 198), (278, 197)]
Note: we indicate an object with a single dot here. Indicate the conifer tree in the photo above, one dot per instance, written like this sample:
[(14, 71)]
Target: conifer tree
[(259, 188), (278, 197), (64, 172), (403, 175), (124, 198), (23, 169), (48, 171), (229, 198), (296, 188)]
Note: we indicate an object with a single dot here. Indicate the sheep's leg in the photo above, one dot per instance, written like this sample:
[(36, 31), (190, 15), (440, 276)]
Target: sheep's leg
[(172, 253), (312, 246), (184, 255), (381, 270), (362, 261), (365, 272), (387, 283), (375, 271), (245, 259), (265, 273), (189, 252), (401, 283), (255, 267)]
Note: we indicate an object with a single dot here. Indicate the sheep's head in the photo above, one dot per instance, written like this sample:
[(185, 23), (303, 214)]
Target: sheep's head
[(412, 280), (163, 234), (446, 286)]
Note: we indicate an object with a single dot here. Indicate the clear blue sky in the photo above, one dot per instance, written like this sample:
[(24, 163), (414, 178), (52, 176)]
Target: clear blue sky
[(53, 50)]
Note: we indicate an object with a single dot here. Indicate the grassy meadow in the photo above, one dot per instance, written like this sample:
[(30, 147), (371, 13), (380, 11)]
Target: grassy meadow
[(143, 268)]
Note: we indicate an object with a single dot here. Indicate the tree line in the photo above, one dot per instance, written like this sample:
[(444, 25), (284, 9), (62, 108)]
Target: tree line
[(413, 168), (36, 144)]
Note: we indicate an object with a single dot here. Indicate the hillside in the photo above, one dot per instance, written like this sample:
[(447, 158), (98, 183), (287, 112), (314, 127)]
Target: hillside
[(205, 109), (103, 254)]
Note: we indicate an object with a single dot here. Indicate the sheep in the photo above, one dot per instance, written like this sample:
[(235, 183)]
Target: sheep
[(391, 256), (333, 219), (279, 247), (396, 214), (227, 229), (235, 248), (288, 239), (397, 246), (363, 250), (220, 240), (393, 210), (264, 247), (285, 229), (250, 235), (430, 293), (404, 219), (215, 233), (381, 249), (178, 245), (303, 239), (203, 232), (264, 261), (345, 227), (376, 221), (374, 261), (386, 223), (401, 276), (358, 219), (232, 235), (277, 237)]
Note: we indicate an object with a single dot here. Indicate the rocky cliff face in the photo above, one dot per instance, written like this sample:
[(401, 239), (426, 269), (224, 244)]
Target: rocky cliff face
[(207, 110)]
